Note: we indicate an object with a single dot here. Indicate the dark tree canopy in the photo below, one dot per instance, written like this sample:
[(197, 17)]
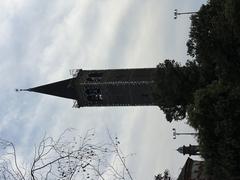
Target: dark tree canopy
[(175, 87), (215, 113), (214, 41), (206, 90)]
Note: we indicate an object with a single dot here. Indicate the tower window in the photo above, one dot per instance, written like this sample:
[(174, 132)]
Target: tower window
[(94, 94), (95, 76), (145, 95), (93, 91), (95, 98)]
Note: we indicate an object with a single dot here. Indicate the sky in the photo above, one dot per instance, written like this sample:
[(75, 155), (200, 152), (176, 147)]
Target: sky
[(40, 41)]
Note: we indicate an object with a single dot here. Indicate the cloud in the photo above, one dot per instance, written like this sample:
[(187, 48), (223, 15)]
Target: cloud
[(41, 40)]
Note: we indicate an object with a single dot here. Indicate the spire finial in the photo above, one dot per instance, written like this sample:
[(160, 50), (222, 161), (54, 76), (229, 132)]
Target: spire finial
[(18, 90)]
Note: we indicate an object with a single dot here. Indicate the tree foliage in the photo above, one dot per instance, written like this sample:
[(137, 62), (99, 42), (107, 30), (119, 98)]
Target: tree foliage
[(206, 89), (215, 45), (216, 113), (175, 86), (214, 40), (164, 176)]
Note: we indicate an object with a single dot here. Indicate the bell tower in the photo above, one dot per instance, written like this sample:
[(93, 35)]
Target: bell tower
[(112, 87)]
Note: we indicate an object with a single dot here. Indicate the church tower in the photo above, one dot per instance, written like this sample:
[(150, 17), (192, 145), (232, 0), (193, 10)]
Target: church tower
[(113, 87)]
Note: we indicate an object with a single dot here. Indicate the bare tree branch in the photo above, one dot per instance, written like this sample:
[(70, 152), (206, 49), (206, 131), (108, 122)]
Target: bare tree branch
[(67, 158), (118, 153)]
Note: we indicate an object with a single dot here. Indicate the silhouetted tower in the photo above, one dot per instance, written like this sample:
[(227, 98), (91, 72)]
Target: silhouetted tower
[(113, 87), (191, 150)]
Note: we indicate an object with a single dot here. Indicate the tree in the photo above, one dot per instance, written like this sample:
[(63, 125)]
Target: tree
[(67, 158), (214, 44), (175, 87), (206, 89), (165, 176), (215, 114), (214, 41)]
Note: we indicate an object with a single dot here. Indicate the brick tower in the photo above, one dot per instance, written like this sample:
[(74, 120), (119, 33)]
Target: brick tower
[(112, 87)]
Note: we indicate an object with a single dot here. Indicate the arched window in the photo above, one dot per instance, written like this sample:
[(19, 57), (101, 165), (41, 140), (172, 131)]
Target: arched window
[(94, 94), (95, 98), (94, 76), (93, 91)]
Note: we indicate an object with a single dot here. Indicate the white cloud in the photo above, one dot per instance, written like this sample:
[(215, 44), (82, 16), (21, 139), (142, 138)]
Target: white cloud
[(41, 40)]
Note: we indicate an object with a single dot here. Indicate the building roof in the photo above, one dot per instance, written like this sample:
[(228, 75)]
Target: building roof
[(186, 170)]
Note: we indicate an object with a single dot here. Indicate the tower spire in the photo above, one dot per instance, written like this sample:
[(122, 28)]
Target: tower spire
[(62, 89)]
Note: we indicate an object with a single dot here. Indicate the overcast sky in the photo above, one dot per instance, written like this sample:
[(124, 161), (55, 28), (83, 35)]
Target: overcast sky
[(41, 40)]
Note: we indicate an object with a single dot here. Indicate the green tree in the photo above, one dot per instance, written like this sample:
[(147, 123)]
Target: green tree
[(214, 41), (207, 88), (215, 113), (175, 87)]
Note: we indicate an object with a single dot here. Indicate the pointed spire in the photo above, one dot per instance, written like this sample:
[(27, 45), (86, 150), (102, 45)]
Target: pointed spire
[(180, 150), (63, 89)]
